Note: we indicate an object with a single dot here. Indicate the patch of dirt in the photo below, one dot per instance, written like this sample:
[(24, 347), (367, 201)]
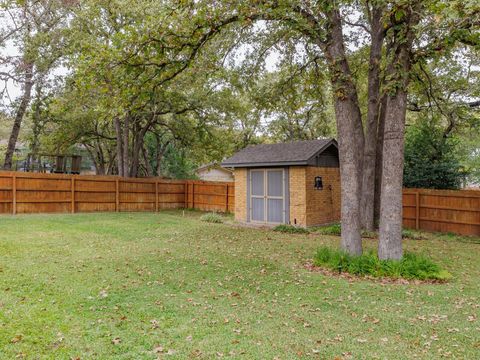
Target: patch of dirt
[(380, 280)]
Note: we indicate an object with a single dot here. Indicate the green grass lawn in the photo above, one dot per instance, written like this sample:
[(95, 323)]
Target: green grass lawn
[(142, 286)]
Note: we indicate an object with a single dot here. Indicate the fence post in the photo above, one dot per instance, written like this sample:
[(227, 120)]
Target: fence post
[(73, 195), (193, 195), (117, 200), (226, 198), (417, 210), (14, 194), (185, 194), (156, 196)]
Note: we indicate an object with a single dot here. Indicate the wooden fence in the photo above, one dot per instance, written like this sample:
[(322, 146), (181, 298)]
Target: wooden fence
[(50, 193), (433, 210), (455, 211)]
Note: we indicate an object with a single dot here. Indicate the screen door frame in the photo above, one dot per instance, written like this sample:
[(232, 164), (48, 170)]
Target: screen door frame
[(284, 198)]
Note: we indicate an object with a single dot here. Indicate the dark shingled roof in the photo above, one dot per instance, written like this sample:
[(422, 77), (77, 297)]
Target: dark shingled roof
[(291, 153)]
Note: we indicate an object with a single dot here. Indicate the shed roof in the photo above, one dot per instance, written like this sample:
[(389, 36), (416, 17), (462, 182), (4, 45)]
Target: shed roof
[(281, 154)]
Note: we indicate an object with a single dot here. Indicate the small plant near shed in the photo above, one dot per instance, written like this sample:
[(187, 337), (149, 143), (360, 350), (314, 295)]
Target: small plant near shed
[(334, 229), (290, 229), (212, 217)]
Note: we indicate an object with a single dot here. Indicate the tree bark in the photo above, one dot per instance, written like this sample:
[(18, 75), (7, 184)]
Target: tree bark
[(100, 170), (140, 133), (148, 166), (350, 134), (126, 128), (119, 146), (137, 146), (21, 110), (379, 160), (369, 161), (390, 238)]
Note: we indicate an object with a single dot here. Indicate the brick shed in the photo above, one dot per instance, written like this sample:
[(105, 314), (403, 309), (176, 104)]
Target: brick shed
[(292, 183)]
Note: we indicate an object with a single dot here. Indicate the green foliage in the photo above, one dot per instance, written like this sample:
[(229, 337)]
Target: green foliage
[(411, 266), (431, 160), (334, 229), (412, 234), (290, 229), (177, 164), (212, 217)]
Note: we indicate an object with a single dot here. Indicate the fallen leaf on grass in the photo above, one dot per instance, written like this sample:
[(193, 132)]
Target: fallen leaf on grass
[(154, 324), (158, 349), (16, 339), (116, 341)]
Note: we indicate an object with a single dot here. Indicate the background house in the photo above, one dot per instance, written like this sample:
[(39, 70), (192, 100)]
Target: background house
[(215, 172), (294, 183)]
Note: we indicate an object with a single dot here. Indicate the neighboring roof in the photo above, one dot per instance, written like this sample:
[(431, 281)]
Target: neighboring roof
[(291, 153), (215, 166)]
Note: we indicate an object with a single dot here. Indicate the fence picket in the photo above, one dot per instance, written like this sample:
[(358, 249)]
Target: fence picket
[(434, 210)]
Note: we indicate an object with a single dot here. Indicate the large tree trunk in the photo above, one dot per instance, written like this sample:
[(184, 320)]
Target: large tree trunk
[(100, 170), (36, 122), (379, 160), (119, 146), (390, 241), (390, 238), (22, 108), (125, 145), (350, 134), (369, 160), (138, 146), (148, 165)]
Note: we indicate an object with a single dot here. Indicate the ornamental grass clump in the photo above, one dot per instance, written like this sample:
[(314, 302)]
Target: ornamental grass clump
[(411, 266), (212, 218)]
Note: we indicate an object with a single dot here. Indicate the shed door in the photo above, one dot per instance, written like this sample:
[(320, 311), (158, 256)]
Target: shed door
[(257, 191), (267, 195)]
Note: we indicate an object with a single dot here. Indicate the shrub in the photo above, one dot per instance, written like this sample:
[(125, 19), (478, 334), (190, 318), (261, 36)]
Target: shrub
[(212, 218), (334, 229), (290, 229), (412, 234), (411, 266)]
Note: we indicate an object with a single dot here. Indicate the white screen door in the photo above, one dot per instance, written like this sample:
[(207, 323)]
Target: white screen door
[(267, 195)]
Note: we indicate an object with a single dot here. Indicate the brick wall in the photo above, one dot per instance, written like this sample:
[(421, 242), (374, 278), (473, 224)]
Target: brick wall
[(241, 195), (298, 195), (323, 206)]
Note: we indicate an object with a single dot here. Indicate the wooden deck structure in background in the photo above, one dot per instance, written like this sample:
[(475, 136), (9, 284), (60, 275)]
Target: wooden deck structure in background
[(433, 210)]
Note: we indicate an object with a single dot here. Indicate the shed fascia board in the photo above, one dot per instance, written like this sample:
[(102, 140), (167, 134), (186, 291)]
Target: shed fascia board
[(266, 164)]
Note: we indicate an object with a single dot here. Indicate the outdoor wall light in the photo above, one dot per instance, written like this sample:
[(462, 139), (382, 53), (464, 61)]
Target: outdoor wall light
[(318, 183)]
